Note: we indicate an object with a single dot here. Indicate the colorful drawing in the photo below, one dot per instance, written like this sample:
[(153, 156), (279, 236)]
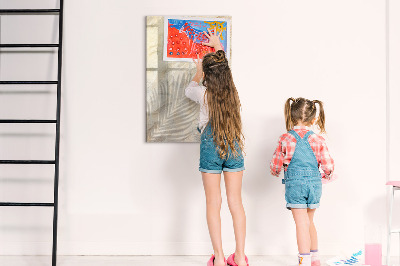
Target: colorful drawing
[(183, 37)]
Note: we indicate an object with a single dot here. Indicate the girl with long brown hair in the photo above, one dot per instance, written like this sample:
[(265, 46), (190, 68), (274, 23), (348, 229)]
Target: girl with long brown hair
[(301, 153), (221, 147)]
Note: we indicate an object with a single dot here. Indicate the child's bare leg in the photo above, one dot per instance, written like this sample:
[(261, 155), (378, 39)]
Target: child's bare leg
[(315, 261), (233, 184), (302, 221), (313, 230), (212, 188)]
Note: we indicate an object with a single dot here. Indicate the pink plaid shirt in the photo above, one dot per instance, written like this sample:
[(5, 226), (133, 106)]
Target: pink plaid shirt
[(287, 144)]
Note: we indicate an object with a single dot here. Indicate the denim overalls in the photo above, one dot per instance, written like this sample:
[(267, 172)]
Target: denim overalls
[(211, 162), (302, 181)]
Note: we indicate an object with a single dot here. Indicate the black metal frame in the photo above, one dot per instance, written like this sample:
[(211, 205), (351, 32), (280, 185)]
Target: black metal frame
[(56, 160)]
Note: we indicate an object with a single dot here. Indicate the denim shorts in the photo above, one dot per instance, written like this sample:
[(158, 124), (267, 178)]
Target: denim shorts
[(303, 193), (211, 161)]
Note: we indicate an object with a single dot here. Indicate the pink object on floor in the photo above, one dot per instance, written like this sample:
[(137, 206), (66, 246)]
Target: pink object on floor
[(393, 183), (211, 260), (231, 260), (326, 181), (373, 254)]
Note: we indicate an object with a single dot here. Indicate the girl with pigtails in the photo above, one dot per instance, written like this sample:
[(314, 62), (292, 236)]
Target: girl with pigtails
[(302, 154)]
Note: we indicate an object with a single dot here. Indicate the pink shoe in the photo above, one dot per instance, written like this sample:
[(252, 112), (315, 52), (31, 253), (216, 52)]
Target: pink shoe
[(231, 260), (316, 263), (211, 261)]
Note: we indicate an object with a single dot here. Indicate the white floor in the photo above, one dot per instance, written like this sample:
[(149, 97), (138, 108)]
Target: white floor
[(136, 260), (142, 260)]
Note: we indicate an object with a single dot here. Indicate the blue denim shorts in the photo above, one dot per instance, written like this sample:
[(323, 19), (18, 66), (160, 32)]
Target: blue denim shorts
[(303, 193), (210, 160)]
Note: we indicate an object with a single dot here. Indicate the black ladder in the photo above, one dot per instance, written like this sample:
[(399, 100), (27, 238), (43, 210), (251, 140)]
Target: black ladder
[(57, 82)]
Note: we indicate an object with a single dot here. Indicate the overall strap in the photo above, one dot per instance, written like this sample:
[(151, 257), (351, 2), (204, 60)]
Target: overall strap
[(308, 134), (294, 133)]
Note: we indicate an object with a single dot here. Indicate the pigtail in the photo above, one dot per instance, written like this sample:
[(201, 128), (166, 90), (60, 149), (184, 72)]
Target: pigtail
[(288, 114), (321, 116)]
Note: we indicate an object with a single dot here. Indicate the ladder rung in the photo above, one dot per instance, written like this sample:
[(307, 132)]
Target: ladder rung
[(28, 11), (33, 45), (27, 161), (27, 121), (29, 204), (29, 82), (395, 231)]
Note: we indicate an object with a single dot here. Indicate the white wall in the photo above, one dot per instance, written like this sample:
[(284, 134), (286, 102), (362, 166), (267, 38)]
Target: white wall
[(121, 195), (394, 110)]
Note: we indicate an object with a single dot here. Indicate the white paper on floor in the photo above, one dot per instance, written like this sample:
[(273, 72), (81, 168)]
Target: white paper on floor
[(350, 258)]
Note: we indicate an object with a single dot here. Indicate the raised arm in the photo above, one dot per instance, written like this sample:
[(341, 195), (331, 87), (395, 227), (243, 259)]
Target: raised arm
[(199, 70)]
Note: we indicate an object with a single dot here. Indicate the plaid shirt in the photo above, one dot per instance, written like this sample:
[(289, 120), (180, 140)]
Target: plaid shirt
[(287, 144)]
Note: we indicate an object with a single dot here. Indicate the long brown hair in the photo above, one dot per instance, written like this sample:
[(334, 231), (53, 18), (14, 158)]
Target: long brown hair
[(303, 110), (223, 104)]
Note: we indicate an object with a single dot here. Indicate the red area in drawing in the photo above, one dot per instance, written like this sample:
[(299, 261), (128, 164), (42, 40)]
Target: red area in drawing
[(181, 46)]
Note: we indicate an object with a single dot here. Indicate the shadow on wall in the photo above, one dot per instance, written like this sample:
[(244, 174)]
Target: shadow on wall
[(263, 193), (375, 213), (375, 219), (185, 186)]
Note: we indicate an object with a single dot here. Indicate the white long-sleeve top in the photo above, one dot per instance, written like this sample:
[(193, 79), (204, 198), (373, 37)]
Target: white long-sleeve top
[(196, 92)]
